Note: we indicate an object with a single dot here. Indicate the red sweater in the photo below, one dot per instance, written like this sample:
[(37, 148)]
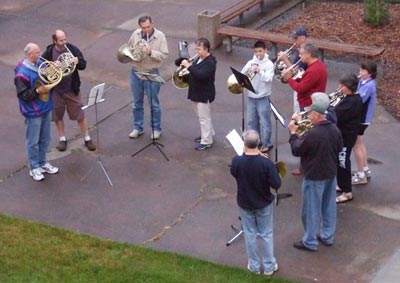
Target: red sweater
[(314, 80)]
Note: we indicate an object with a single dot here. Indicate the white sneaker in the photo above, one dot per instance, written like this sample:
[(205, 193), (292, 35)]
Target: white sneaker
[(156, 135), (368, 173), (135, 134), (272, 271), (249, 269), (36, 174), (48, 168), (357, 180)]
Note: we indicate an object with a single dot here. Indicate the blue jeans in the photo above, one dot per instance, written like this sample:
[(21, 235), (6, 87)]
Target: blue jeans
[(151, 89), (318, 211), (38, 137), (259, 118), (259, 222)]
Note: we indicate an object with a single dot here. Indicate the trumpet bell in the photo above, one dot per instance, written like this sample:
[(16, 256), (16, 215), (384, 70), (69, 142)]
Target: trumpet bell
[(124, 54), (180, 82), (233, 85)]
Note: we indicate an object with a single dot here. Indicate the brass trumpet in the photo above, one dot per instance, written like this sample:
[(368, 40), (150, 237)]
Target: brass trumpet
[(279, 65), (295, 70)]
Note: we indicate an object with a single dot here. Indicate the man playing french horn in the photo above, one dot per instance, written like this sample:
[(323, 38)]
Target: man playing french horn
[(149, 50), (35, 104), (67, 93), (260, 70)]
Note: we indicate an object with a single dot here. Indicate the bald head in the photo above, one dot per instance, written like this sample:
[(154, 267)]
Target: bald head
[(251, 139), (59, 39)]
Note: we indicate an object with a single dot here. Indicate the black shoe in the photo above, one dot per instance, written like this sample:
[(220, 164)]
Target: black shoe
[(300, 245), (62, 146), (324, 242), (198, 139)]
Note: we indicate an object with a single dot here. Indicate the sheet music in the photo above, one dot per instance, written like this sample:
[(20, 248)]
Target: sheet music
[(96, 95), (278, 115), (236, 141), (150, 76)]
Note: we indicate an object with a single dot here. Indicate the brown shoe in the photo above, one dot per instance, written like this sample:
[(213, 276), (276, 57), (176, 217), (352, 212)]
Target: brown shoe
[(62, 146), (91, 146)]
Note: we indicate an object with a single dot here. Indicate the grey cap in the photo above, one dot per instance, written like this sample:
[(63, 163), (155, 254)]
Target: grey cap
[(320, 102)]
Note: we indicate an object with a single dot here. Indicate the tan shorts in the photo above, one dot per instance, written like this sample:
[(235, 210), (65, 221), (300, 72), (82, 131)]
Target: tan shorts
[(69, 101)]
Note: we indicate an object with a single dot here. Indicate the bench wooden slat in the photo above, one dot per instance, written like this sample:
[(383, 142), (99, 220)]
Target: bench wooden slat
[(284, 39), (238, 9)]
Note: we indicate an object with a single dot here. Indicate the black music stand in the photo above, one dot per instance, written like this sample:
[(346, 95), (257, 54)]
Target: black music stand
[(158, 79), (244, 82), (282, 121), (96, 96)]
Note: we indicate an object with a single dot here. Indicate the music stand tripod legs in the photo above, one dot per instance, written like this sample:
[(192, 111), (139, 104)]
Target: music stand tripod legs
[(98, 97), (158, 145), (238, 231)]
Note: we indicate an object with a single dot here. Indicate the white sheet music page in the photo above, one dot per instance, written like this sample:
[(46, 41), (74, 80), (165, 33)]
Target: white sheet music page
[(236, 141)]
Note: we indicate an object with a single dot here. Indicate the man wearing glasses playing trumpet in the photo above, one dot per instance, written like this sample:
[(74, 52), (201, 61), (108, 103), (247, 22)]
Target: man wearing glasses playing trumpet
[(66, 94)]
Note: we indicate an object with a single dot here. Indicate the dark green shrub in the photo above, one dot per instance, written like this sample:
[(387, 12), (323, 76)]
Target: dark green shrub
[(376, 12)]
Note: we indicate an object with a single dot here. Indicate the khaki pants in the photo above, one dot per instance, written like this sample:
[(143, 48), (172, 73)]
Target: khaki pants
[(203, 111)]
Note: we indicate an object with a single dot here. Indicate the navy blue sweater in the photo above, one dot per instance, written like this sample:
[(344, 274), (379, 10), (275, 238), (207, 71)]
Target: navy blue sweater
[(254, 174)]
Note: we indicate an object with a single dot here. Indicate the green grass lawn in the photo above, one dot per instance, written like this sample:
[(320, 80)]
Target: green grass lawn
[(32, 252)]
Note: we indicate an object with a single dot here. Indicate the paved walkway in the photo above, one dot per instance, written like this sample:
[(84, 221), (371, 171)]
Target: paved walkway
[(185, 205)]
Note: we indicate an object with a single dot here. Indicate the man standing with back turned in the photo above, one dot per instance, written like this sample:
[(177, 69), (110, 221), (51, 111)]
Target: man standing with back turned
[(255, 174)]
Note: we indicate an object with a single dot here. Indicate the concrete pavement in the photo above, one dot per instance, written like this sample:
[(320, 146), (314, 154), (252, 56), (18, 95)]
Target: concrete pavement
[(185, 205)]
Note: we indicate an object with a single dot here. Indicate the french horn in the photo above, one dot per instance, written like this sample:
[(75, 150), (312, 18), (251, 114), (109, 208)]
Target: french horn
[(50, 75), (129, 52), (180, 78), (65, 62)]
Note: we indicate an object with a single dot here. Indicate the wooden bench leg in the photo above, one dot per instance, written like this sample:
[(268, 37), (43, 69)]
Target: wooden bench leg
[(321, 52), (274, 52), (228, 42), (262, 6), (241, 19)]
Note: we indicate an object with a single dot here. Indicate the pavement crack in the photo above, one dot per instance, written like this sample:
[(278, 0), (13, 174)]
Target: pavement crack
[(179, 219)]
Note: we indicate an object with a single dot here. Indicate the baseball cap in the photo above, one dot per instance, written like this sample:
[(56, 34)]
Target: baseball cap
[(300, 31), (320, 102)]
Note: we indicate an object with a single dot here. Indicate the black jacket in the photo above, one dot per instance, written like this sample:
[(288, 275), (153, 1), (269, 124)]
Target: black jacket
[(201, 80), (318, 150), (349, 114), (75, 80)]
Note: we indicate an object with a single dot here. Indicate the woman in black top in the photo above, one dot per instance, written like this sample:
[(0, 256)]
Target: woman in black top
[(349, 115)]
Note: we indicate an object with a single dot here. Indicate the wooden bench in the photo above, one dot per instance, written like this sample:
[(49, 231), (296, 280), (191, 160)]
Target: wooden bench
[(274, 38), (238, 9)]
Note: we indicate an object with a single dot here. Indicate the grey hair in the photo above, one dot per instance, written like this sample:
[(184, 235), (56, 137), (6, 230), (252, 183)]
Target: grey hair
[(310, 49), (28, 48), (251, 138)]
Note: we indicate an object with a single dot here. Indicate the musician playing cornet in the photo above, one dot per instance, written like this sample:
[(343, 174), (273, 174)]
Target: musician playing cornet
[(66, 94), (36, 112), (151, 51), (318, 150), (261, 72), (313, 80), (300, 37)]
